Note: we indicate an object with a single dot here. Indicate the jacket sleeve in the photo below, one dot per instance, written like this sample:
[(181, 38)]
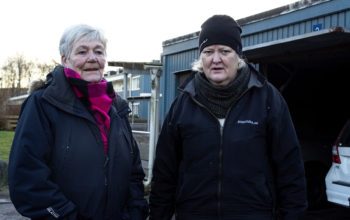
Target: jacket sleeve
[(137, 204), (31, 190), (287, 162), (165, 172)]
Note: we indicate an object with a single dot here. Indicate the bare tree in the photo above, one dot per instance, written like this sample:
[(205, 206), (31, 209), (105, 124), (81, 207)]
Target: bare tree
[(15, 70), (9, 74), (45, 68), (18, 71), (15, 76)]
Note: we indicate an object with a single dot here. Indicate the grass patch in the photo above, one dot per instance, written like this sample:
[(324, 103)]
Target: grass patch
[(6, 138)]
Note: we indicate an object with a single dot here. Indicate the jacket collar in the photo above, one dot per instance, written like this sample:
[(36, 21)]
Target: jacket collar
[(60, 94), (256, 80)]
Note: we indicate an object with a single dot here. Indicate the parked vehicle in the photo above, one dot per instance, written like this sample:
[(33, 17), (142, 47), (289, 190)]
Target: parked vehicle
[(338, 177)]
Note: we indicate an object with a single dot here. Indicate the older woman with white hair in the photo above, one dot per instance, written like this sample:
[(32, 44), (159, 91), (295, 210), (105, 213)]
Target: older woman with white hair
[(73, 155)]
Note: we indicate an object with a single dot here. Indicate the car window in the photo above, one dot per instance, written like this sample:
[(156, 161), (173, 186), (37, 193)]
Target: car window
[(345, 136)]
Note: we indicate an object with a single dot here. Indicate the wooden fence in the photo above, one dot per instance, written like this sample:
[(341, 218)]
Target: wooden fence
[(10, 121)]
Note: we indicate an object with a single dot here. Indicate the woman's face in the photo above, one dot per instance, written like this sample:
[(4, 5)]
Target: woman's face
[(220, 64), (88, 58)]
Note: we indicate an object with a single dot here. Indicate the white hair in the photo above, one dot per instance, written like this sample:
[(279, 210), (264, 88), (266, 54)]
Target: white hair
[(76, 33), (197, 65)]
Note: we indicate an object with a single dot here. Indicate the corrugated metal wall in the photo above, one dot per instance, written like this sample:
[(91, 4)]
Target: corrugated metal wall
[(172, 64), (341, 19)]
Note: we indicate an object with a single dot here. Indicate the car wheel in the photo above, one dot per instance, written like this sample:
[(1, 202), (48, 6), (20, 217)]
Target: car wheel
[(316, 186)]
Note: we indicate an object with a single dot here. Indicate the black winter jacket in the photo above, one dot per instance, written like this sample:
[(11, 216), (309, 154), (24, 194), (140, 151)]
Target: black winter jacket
[(57, 166), (251, 169)]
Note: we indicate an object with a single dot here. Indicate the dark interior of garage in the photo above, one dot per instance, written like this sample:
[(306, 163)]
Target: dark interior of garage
[(312, 74)]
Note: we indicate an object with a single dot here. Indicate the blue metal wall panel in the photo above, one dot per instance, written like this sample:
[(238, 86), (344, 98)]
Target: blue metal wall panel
[(304, 26), (145, 86), (296, 16), (173, 63)]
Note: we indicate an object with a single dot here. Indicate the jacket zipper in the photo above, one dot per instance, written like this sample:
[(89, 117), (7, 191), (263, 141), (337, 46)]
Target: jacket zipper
[(219, 187), (220, 166)]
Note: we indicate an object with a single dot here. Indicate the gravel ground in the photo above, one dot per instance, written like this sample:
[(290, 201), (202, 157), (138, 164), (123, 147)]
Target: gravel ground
[(7, 210)]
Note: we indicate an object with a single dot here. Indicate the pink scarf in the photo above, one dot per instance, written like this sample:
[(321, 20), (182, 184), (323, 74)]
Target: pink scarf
[(97, 97)]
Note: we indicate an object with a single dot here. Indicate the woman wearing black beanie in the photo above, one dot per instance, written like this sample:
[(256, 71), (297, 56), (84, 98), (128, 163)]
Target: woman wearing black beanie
[(228, 149)]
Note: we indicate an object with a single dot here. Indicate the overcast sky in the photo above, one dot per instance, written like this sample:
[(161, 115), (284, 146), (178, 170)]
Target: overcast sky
[(135, 28)]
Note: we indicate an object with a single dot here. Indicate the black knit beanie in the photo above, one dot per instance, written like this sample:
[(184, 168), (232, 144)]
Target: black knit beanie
[(221, 29)]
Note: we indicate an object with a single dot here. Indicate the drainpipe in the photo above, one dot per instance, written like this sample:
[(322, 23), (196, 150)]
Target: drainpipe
[(125, 85), (155, 72)]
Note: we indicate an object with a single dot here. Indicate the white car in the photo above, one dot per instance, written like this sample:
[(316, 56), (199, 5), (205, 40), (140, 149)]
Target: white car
[(338, 177)]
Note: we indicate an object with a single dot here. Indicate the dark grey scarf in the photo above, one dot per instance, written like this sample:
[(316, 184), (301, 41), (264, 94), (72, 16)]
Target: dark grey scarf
[(219, 99)]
